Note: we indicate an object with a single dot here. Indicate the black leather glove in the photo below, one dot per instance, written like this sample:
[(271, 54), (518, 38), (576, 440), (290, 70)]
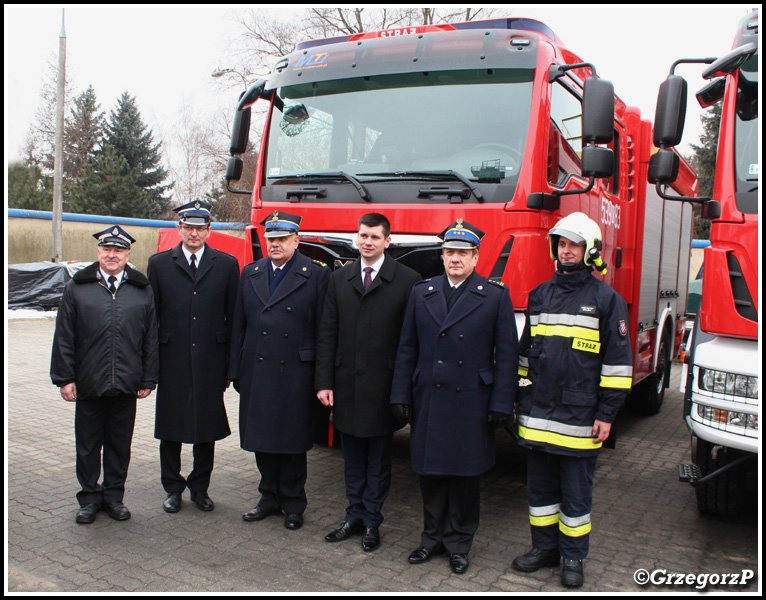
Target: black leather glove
[(498, 419), (401, 414)]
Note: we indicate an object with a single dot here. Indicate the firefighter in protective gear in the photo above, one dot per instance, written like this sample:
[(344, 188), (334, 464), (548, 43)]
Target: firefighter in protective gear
[(575, 369)]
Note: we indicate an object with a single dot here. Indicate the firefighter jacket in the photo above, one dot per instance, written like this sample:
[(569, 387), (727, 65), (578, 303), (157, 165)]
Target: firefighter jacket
[(575, 363)]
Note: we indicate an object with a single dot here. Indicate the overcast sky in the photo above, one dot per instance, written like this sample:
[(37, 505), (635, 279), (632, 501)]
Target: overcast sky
[(163, 54)]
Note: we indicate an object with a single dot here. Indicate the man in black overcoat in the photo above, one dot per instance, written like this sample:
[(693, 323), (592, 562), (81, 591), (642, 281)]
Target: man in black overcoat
[(273, 350), (358, 337), (455, 375), (195, 288)]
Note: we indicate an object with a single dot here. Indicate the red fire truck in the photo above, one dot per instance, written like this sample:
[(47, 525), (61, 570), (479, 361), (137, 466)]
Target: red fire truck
[(722, 362), (496, 122)]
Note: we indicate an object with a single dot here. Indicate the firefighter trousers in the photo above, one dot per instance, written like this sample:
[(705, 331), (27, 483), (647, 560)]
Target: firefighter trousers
[(560, 492)]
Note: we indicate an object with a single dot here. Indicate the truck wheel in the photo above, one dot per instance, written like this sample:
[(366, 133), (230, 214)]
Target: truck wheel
[(723, 496), (646, 398)]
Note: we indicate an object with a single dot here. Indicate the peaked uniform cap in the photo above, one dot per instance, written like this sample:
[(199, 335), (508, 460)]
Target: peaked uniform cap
[(194, 213), (281, 224), (114, 236), (461, 234)]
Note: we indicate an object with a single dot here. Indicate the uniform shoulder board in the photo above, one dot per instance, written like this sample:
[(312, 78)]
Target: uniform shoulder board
[(319, 262), (497, 283)]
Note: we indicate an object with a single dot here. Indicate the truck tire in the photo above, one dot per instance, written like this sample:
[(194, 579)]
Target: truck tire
[(725, 495), (646, 398)]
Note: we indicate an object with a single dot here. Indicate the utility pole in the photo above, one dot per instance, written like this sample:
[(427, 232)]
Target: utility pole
[(58, 160)]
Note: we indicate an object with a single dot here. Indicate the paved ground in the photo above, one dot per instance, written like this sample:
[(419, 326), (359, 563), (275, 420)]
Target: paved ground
[(642, 517)]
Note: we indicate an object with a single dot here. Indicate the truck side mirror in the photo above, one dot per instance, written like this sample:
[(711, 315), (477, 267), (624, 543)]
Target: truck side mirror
[(598, 111), (663, 167), (240, 131), (234, 168), (730, 62), (597, 127), (670, 113)]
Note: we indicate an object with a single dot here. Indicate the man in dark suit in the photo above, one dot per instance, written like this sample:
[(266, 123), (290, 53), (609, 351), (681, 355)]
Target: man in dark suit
[(195, 288), (455, 375), (273, 347), (358, 337)]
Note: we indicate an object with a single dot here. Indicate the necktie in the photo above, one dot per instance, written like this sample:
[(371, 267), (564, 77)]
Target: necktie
[(367, 277), (276, 271), (193, 265), (112, 287)]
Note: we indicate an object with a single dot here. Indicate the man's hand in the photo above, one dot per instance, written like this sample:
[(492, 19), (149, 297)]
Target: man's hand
[(69, 392), (325, 397), (401, 414), (601, 431), (144, 393)]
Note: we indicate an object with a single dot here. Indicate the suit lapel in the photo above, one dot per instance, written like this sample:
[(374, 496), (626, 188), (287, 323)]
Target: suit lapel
[(259, 279), (469, 300), (206, 263), (178, 255), (435, 301), (355, 276), (297, 275)]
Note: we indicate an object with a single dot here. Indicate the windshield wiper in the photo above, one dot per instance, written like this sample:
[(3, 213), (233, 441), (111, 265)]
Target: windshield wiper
[(333, 175), (428, 174)]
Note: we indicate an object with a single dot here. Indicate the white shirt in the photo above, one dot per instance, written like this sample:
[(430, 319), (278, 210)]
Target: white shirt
[(106, 277), (375, 267), (188, 254)]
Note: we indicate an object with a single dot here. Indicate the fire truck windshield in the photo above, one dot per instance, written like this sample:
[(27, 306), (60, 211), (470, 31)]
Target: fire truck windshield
[(378, 128), (746, 144)]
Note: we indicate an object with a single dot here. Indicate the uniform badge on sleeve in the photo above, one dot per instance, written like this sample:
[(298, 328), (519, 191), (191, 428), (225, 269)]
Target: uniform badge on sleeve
[(623, 327)]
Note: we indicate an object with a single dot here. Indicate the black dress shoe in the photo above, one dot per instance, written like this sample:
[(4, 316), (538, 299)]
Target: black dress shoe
[(172, 503), (343, 532), (370, 539), (259, 513), (571, 574), (458, 563), (537, 559), (117, 510), (87, 513), (203, 501), (423, 554), (293, 521)]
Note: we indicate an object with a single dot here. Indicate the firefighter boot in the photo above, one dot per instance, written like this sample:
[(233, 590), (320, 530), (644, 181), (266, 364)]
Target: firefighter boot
[(537, 559), (571, 574)]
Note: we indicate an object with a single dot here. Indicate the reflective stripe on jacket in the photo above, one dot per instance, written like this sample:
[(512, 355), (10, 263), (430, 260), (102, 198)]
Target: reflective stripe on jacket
[(576, 363)]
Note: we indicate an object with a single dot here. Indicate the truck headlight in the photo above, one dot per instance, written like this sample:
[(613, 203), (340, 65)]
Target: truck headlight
[(721, 382), (728, 417)]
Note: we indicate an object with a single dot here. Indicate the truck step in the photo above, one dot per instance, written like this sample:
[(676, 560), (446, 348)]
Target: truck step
[(689, 473)]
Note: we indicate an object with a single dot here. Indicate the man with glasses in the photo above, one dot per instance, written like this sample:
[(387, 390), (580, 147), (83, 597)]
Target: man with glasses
[(195, 288)]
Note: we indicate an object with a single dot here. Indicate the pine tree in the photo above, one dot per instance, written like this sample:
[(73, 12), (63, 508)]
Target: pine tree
[(29, 188), (82, 139), (126, 133), (703, 160), (110, 187)]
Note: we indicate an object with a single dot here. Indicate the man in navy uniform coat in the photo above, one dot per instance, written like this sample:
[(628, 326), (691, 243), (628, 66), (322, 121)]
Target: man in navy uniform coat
[(279, 304), (195, 288), (455, 375)]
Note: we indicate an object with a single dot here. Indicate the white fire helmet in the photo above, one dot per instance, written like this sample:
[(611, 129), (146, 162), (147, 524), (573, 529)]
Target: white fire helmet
[(577, 227)]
